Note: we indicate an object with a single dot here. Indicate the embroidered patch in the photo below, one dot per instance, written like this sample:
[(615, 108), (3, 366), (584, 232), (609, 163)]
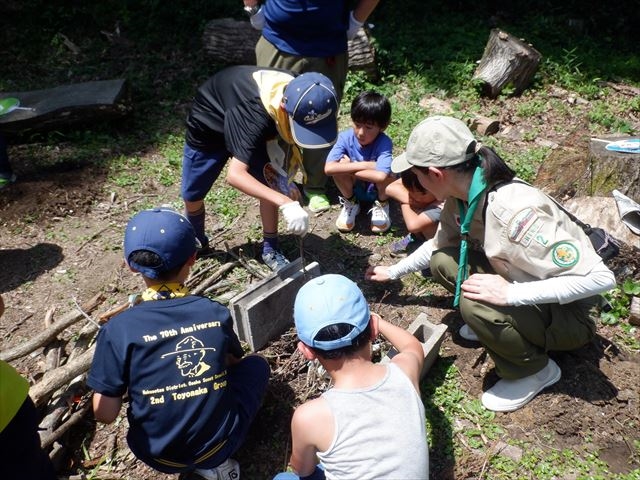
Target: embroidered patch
[(532, 232), (565, 254), (521, 223)]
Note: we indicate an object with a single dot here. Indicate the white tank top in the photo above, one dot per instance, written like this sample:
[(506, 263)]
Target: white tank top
[(379, 432)]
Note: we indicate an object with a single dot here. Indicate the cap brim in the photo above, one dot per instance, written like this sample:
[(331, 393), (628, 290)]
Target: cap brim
[(400, 164), (320, 136)]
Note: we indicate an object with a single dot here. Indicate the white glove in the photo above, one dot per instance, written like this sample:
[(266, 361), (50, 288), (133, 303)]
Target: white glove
[(257, 19), (354, 26), (295, 216)]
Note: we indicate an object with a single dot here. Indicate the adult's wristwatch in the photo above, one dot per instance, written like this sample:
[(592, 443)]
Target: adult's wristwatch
[(251, 11)]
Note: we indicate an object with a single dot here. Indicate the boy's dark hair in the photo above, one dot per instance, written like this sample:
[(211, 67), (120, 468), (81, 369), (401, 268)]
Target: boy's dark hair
[(371, 107), (337, 331), (147, 258), (411, 182)]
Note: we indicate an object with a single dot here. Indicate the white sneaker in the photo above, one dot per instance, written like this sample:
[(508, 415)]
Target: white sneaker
[(347, 218), (508, 395), (380, 221), (468, 334), (229, 470)]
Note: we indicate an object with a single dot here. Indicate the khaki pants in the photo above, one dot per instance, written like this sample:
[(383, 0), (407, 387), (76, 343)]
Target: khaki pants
[(517, 338), (335, 68)]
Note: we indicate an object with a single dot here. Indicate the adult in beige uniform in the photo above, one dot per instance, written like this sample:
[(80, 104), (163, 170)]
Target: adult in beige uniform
[(532, 277)]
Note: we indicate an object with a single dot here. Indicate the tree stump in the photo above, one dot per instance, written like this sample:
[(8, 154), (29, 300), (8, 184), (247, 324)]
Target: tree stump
[(506, 60), (64, 106), (232, 42), (565, 173), (613, 170)]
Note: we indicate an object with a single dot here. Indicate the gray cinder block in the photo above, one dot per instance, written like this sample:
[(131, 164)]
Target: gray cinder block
[(265, 310), (431, 336)]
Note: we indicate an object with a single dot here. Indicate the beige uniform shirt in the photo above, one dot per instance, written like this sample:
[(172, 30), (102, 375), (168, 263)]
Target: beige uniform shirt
[(525, 235)]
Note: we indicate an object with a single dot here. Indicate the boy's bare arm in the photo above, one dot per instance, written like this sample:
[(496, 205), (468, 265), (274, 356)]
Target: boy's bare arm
[(106, 409), (347, 166), (311, 432), (238, 176), (411, 356)]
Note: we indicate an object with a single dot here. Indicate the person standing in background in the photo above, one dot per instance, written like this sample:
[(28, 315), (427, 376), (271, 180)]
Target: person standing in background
[(303, 37)]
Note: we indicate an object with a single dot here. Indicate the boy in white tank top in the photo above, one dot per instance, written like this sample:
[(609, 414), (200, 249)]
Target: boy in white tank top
[(371, 423)]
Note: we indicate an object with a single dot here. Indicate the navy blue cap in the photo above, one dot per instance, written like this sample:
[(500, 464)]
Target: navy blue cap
[(164, 232), (312, 104)]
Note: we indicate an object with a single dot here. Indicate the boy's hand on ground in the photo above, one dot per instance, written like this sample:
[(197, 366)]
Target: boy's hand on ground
[(377, 273), (296, 218)]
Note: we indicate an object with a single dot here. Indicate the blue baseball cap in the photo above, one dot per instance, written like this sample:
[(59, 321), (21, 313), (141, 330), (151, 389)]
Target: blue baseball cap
[(329, 300), (164, 232), (312, 104)]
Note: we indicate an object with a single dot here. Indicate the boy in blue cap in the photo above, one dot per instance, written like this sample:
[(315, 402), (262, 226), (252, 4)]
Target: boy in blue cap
[(371, 424), (192, 395), (260, 119)]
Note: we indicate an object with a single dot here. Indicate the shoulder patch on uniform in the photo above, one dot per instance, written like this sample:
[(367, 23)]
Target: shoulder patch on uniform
[(523, 226), (565, 254)]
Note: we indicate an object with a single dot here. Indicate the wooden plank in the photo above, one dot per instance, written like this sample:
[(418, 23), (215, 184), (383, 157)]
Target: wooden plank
[(64, 106)]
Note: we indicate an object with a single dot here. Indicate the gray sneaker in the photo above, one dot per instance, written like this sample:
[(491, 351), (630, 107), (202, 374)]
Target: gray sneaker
[(275, 260), (230, 469)]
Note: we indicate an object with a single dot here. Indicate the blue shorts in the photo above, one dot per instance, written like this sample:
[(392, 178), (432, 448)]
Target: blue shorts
[(201, 169), (248, 380)]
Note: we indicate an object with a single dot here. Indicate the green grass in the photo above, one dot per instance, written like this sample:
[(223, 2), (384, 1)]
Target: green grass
[(424, 50)]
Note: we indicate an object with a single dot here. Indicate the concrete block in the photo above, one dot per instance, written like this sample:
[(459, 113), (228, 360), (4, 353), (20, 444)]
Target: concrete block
[(431, 336), (265, 310)]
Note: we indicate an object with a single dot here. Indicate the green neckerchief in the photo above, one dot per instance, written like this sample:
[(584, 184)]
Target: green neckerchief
[(476, 189), (164, 291)]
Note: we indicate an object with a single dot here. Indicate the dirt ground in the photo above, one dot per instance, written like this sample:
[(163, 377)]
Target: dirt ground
[(60, 244)]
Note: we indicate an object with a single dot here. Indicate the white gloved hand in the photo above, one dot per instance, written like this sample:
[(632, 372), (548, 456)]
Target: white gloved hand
[(296, 217), (257, 19), (354, 26)]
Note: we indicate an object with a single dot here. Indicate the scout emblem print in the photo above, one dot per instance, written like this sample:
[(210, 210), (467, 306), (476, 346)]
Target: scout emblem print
[(565, 254), (189, 354)]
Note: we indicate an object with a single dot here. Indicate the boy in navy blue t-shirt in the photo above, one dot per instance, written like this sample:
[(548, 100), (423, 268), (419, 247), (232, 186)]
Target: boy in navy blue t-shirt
[(192, 395)]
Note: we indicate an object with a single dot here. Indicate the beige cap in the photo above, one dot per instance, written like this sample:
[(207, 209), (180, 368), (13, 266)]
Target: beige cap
[(436, 142)]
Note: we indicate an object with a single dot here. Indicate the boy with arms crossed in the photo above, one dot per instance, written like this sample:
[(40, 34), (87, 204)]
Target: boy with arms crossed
[(360, 162)]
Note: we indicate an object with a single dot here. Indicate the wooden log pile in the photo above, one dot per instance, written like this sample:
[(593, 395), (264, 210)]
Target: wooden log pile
[(232, 42), (61, 393)]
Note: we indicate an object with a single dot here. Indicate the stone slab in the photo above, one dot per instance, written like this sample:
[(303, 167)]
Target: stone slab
[(430, 336), (265, 310)]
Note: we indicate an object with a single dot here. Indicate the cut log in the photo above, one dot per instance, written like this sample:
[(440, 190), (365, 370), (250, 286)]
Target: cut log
[(613, 170), (506, 60), (362, 55), (485, 126), (232, 42), (585, 168), (55, 379), (65, 106)]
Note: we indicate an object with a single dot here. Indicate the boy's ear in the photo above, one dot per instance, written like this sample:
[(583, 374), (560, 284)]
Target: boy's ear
[(375, 326), (192, 259), (306, 351)]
